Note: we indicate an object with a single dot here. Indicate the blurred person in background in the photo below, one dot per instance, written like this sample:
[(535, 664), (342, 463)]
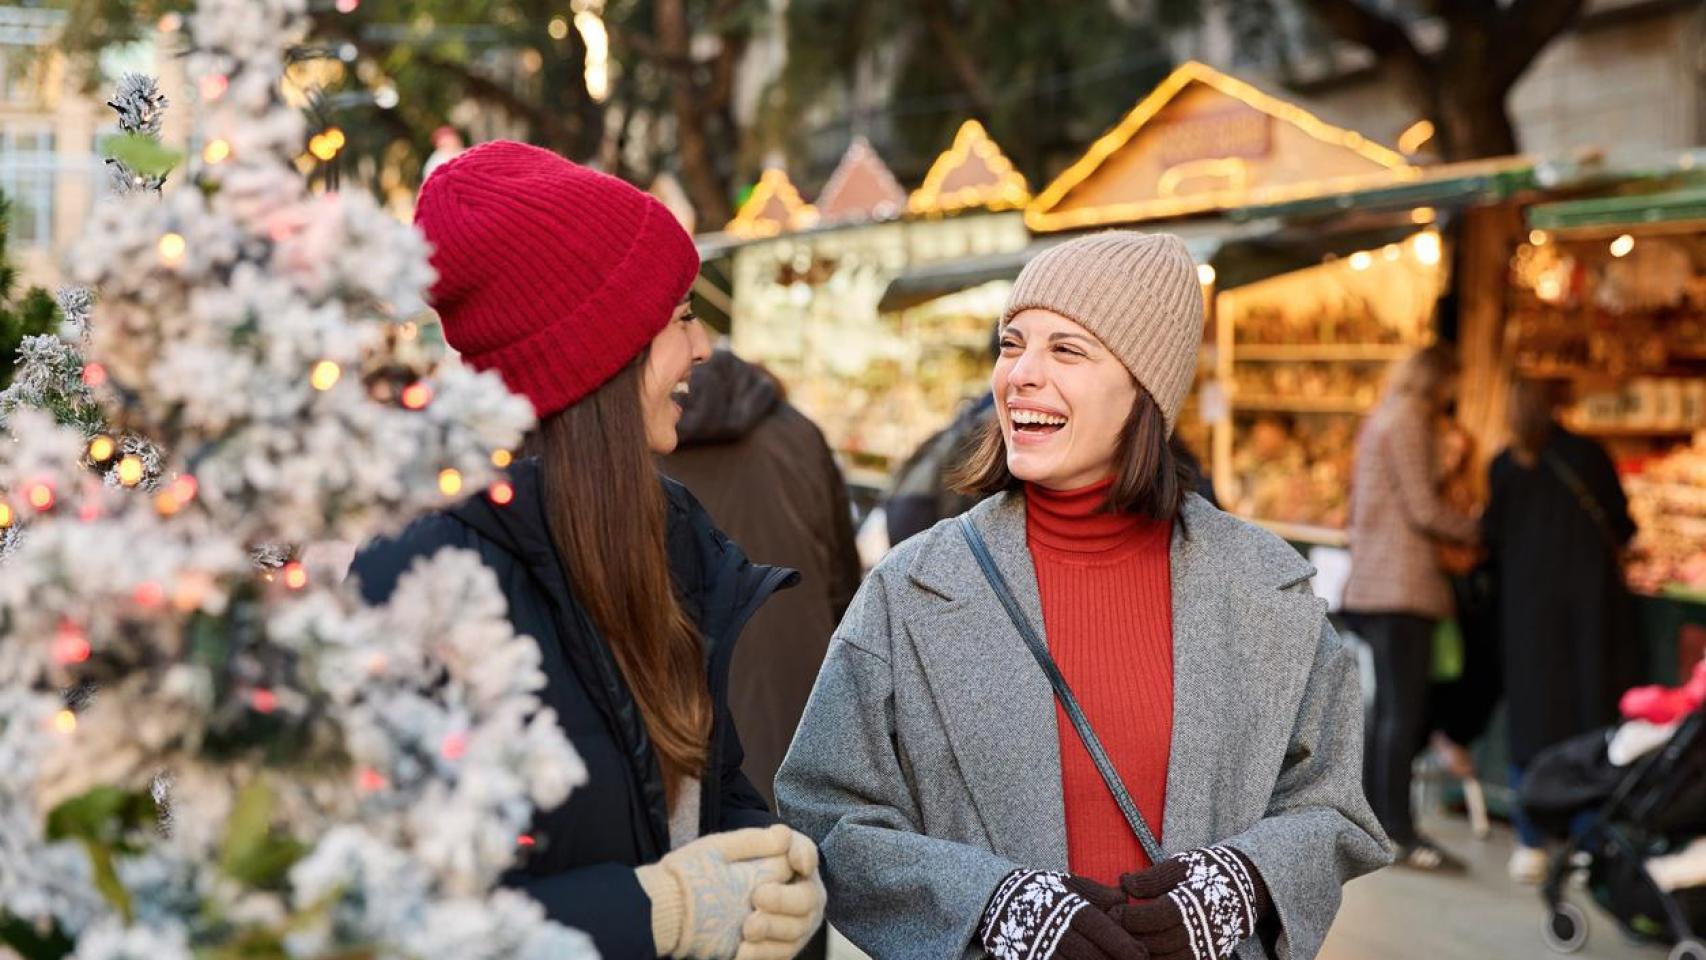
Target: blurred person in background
[(766, 475), (1555, 528), (1397, 593), (446, 143)]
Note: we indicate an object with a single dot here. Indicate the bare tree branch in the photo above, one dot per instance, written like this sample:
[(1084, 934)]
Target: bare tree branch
[(1382, 36), (939, 20)]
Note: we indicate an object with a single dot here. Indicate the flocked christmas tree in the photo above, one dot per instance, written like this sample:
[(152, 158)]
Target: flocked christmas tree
[(341, 781)]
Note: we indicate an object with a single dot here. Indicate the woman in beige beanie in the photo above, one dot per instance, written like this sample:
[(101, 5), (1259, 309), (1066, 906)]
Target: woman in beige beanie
[(1094, 718)]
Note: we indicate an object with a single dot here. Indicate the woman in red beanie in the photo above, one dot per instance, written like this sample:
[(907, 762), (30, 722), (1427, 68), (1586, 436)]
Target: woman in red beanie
[(573, 285)]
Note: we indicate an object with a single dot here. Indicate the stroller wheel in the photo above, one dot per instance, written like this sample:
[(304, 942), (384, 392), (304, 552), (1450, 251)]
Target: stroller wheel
[(1566, 929), (1688, 950)]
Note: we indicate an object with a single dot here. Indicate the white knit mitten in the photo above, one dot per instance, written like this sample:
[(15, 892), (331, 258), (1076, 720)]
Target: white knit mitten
[(702, 893), (785, 915)]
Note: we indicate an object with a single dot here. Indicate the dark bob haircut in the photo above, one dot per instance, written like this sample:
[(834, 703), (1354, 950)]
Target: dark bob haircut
[(1149, 479)]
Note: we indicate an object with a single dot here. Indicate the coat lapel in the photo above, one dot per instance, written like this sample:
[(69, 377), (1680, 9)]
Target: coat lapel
[(1230, 611), (996, 705)]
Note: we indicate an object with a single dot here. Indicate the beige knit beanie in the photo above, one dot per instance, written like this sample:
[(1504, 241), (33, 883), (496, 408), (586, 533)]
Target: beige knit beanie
[(1137, 292)]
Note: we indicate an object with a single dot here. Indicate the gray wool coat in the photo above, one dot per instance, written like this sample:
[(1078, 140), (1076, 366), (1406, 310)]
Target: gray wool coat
[(927, 766)]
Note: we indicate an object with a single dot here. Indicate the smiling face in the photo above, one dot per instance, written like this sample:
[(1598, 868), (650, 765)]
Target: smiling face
[(669, 362), (1062, 399)]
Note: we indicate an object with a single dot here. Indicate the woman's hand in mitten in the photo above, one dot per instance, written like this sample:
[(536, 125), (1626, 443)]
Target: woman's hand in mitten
[(702, 893), (1034, 915), (1196, 905), (785, 915)]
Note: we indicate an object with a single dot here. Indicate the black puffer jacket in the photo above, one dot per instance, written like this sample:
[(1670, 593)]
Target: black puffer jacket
[(581, 866)]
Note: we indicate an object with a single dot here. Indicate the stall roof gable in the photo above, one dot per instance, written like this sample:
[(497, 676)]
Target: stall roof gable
[(1246, 146), (861, 188), (971, 174), (774, 206)]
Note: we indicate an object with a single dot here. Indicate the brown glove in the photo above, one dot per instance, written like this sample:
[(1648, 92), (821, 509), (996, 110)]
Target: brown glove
[(1034, 916), (1196, 905)]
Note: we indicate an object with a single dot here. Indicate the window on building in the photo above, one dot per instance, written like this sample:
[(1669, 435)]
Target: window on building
[(27, 165)]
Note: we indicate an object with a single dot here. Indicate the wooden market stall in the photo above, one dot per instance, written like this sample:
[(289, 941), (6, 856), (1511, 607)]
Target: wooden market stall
[(807, 289)]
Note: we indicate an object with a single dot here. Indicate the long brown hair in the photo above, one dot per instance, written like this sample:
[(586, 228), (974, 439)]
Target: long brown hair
[(608, 519), (1149, 479)]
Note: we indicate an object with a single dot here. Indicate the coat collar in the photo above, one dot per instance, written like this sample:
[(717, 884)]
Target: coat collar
[(1228, 579)]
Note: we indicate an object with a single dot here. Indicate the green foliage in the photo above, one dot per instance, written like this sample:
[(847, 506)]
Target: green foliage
[(31, 943), (30, 315), (108, 822), (144, 155), (1044, 77), (253, 854)]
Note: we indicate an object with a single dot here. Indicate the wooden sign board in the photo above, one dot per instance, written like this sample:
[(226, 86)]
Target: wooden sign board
[(861, 188), (971, 174), (1205, 141)]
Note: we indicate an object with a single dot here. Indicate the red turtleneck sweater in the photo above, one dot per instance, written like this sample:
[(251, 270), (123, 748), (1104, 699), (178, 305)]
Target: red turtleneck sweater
[(1106, 588)]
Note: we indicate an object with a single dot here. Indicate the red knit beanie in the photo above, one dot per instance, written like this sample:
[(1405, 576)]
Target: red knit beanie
[(552, 274)]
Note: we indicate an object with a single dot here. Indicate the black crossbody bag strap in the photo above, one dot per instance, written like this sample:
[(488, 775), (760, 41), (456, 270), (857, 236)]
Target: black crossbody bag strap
[(1068, 702)]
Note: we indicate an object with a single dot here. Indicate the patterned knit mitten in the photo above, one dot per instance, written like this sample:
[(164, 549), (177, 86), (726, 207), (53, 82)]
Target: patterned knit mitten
[(1196, 905), (1033, 916)]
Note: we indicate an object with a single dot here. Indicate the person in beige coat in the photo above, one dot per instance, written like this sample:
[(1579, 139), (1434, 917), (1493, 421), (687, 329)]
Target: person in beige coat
[(1397, 592)]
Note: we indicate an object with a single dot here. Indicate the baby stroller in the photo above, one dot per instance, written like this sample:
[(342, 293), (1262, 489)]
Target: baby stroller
[(1654, 807)]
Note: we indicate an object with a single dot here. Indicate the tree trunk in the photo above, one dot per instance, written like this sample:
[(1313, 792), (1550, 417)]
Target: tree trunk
[(1472, 123), (699, 174)]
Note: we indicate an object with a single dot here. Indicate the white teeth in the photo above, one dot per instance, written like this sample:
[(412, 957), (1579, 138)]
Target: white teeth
[(1038, 417), (680, 389)]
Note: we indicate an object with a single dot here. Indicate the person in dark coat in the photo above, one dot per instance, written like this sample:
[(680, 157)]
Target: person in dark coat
[(764, 471), (1554, 528), (572, 286), (920, 494)]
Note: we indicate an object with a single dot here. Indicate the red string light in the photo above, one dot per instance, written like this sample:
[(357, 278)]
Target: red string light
[(502, 493), (263, 700), (149, 595), (94, 375), (295, 575), (40, 496), (371, 780), (417, 395), (70, 645), (455, 746)]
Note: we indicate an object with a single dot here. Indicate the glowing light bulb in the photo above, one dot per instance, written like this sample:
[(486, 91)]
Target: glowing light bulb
[(371, 780), (5, 515), (70, 645), (502, 458), (1622, 246), (325, 375), (216, 152), (455, 746), (502, 494), (321, 147), (65, 722), (40, 496), (449, 482), (1422, 215), (1391, 252), (1539, 237), (295, 575), (149, 595), (166, 504), (94, 375), (185, 488), (558, 29), (213, 86), (417, 395), (1205, 274), (263, 700), (1361, 260), (172, 247), (130, 471), (1427, 247), (102, 448)]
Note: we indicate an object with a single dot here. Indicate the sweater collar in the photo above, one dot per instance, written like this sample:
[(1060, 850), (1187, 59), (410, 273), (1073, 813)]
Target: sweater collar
[(1074, 524)]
